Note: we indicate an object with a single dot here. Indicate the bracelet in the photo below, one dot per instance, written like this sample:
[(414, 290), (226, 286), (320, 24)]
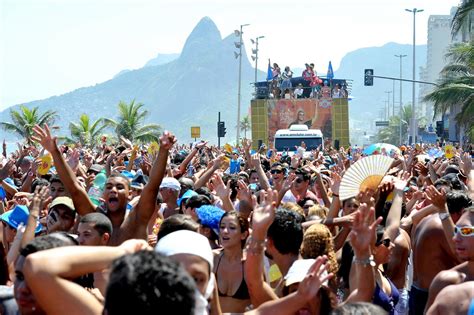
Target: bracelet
[(364, 262), (443, 215), (255, 247)]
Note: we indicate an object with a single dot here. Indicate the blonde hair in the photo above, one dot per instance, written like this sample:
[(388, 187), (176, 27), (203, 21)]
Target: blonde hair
[(317, 241), (318, 210), (291, 206)]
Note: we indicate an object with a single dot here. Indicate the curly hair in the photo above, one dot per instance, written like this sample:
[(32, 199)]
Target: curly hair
[(291, 206), (317, 241)]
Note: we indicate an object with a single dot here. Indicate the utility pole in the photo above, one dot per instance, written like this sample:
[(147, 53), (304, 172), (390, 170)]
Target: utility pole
[(401, 100), (414, 124), (239, 46)]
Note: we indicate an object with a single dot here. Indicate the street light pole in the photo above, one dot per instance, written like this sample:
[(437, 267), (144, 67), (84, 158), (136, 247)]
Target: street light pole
[(255, 52), (388, 103), (401, 101), (414, 124), (240, 83)]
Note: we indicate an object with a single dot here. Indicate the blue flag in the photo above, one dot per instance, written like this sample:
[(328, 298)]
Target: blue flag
[(269, 72), (330, 74)]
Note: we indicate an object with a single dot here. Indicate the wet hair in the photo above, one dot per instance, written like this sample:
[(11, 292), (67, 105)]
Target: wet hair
[(317, 241), (55, 179), (101, 223), (121, 176), (443, 182), (197, 201), (53, 240), (306, 175), (243, 223), (286, 231), (147, 282), (358, 308), (38, 182), (457, 201), (204, 191), (175, 223)]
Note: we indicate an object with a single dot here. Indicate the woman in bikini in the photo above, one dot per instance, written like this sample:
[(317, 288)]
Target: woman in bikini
[(229, 264)]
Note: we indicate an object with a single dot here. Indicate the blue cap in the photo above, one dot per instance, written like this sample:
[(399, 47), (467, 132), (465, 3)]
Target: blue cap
[(128, 174), (10, 182), (210, 216), (188, 194), (18, 215)]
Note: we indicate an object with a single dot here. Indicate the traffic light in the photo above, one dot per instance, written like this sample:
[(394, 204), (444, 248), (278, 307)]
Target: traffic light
[(368, 77), (221, 130), (439, 128)]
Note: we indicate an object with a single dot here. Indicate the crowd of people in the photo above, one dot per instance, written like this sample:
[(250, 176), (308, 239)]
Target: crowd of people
[(311, 86), (195, 229)]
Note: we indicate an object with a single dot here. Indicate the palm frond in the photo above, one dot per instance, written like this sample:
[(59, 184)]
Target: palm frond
[(462, 17)]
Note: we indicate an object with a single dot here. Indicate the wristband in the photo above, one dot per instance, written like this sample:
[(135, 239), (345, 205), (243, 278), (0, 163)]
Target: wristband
[(255, 247), (443, 216), (364, 262)]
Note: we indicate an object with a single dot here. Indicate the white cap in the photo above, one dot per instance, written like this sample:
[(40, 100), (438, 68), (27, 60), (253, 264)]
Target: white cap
[(170, 182), (298, 271), (186, 242)]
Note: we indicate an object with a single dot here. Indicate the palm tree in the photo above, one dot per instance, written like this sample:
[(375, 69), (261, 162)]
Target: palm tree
[(86, 132), (130, 123), (455, 91), (25, 119), (391, 134), (462, 20), (245, 125)]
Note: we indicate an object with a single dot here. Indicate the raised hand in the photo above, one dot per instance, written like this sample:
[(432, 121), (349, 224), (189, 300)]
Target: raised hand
[(40, 198), (465, 163), (167, 140), (288, 182), (367, 197), (44, 137), (335, 182), (401, 181), (362, 235), (437, 198), (220, 188), (6, 169), (73, 160), (264, 213), (255, 160), (243, 191), (247, 144), (317, 275), (201, 144)]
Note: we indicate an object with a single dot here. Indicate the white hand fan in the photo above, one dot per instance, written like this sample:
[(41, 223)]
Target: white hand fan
[(366, 173)]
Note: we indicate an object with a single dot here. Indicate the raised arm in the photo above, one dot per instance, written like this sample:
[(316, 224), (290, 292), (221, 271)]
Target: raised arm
[(146, 204), (362, 237), (394, 215), (79, 196), (190, 156), (262, 218), (46, 279), (262, 177)]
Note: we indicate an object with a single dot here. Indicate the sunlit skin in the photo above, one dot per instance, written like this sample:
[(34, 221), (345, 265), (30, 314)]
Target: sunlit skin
[(60, 218), (116, 194), (464, 245), (312, 307), (197, 268), (350, 206), (89, 236), (229, 232), (27, 304), (56, 189)]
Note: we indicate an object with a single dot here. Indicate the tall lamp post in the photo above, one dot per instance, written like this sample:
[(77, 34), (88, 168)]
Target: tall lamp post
[(414, 124), (401, 102), (239, 45), (255, 58), (388, 103)]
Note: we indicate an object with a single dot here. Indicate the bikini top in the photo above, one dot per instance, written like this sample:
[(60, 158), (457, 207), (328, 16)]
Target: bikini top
[(242, 292), (383, 300)]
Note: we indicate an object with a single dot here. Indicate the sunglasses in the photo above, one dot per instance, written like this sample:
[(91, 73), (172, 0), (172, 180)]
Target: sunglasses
[(299, 180), (276, 171), (464, 230), (385, 242)]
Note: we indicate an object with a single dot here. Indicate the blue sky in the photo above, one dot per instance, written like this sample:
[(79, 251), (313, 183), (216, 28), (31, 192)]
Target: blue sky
[(50, 47)]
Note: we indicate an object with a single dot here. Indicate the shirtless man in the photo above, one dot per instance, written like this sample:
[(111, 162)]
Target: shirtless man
[(464, 245), (116, 190), (432, 253)]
